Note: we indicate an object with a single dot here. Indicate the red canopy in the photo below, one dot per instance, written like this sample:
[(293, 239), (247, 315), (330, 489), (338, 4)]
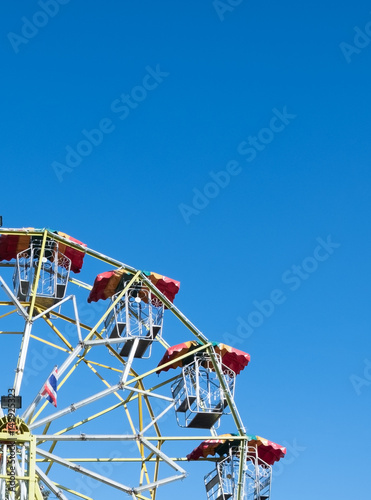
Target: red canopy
[(108, 283), (105, 285), (233, 358), (167, 286), (13, 244), (76, 256), (267, 451)]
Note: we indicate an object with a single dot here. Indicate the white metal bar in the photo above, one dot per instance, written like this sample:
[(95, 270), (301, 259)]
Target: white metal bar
[(20, 473), (51, 308), (86, 437), (83, 470), (129, 362), (127, 315), (158, 417), (76, 406), (159, 483), (77, 318), (76, 351), (13, 298), (22, 358), (240, 480), (162, 455), (80, 283), (213, 431), (44, 478), (148, 393), (119, 340)]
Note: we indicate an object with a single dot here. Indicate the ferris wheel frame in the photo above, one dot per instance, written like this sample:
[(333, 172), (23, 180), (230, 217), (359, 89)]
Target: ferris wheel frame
[(129, 381)]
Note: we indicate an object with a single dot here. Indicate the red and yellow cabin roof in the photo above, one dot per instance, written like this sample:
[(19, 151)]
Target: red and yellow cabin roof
[(111, 282), (12, 244), (233, 358), (267, 451)]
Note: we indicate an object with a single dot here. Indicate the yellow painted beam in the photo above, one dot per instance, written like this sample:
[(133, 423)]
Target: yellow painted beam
[(73, 492), (48, 343), (9, 312), (37, 277)]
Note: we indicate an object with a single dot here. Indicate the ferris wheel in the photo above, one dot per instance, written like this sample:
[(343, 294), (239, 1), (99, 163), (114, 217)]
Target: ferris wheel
[(96, 400)]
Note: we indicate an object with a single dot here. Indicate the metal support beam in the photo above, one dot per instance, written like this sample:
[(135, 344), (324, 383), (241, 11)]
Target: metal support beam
[(13, 298), (83, 470), (75, 406), (22, 358), (44, 478), (161, 482), (162, 455)]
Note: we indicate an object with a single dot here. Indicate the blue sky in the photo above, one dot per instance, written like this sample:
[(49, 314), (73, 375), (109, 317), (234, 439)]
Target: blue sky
[(220, 146)]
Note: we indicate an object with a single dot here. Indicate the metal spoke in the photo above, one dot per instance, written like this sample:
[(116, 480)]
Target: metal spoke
[(83, 470)]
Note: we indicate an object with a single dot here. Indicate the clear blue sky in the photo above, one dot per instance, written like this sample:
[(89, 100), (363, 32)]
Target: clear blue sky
[(272, 100)]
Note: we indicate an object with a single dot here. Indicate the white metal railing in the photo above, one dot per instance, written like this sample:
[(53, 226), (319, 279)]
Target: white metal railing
[(54, 272), (139, 314), (198, 395)]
